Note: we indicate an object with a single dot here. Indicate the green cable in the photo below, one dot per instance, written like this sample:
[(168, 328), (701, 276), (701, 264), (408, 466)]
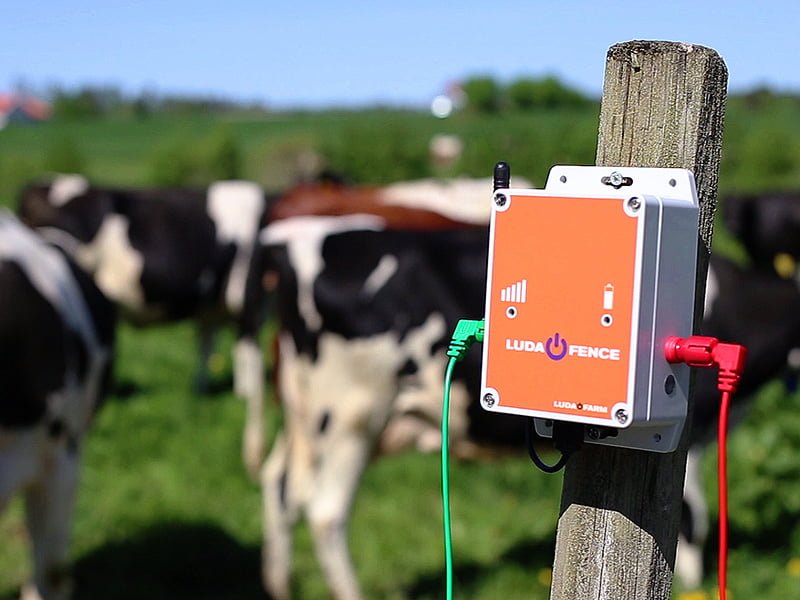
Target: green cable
[(467, 332), (448, 544)]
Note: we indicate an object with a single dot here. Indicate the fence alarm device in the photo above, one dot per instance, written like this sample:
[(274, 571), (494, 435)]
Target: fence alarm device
[(587, 279)]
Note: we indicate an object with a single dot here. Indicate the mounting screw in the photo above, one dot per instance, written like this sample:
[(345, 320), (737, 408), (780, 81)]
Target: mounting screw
[(634, 203), (621, 416), (500, 199), (488, 399), (616, 180), (593, 433)]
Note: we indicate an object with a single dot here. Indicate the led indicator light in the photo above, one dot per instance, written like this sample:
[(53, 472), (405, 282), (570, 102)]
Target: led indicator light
[(608, 297)]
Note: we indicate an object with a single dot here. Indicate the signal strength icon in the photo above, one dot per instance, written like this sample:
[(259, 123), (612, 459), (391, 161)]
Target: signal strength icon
[(517, 292)]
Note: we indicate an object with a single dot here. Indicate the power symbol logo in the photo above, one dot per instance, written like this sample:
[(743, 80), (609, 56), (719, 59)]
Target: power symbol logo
[(552, 347)]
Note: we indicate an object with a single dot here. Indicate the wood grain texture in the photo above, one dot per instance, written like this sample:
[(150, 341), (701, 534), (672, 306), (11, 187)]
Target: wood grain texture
[(663, 106)]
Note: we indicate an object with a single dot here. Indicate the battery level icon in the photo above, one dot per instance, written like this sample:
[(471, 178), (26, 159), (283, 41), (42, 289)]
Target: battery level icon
[(608, 297)]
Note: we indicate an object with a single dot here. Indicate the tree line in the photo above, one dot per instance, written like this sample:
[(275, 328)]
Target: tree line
[(485, 94), (482, 94), (93, 102)]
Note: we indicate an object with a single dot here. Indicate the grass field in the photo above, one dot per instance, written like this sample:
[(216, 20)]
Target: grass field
[(166, 510)]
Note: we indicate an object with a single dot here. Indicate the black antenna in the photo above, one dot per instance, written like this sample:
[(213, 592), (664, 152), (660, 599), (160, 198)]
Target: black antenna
[(502, 176)]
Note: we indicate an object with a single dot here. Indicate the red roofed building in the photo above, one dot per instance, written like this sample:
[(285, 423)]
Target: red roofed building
[(22, 108)]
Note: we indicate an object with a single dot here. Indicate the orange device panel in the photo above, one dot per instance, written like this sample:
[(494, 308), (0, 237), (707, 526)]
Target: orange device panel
[(562, 281), (586, 280)]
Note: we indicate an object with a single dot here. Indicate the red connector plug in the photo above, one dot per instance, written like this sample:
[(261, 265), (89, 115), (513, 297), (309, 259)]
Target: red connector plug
[(702, 351)]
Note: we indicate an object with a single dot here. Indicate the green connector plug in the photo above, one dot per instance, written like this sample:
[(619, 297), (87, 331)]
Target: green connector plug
[(467, 332)]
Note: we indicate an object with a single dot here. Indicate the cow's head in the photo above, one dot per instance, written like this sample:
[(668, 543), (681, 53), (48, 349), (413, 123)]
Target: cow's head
[(67, 203)]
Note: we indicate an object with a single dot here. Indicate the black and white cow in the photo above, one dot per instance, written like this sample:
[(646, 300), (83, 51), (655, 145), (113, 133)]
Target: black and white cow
[(366, 314), (170, 254), (366, 307), (367, 300), (56, 343)]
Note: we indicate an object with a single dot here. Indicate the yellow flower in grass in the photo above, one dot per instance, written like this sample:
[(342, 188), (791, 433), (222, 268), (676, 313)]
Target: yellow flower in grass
[(785, 265), (696, 595), (216, 363), (793, 567)]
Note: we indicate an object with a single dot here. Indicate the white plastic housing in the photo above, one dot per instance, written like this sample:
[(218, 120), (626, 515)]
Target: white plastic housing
[(593, 355)]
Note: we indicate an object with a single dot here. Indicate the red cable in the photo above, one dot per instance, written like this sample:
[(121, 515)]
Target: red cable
[(722, 483), (704, 352)]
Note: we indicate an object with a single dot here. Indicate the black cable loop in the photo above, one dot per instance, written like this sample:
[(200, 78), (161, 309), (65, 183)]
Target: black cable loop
[(529, 427)]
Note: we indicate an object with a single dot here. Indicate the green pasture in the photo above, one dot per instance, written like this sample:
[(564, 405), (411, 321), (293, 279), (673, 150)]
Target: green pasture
[(165, 507), (166, 510)]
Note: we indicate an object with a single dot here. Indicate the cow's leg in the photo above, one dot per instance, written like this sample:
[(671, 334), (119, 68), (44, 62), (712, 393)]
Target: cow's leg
[(352, 389), (340, 465), (18, 461), (49, 506), (248, 378), (281, 511), (334, 408), (342, 444), (286, 481), (286, 473), (206, 335), (19, 464), (248, 364), (694, 524)]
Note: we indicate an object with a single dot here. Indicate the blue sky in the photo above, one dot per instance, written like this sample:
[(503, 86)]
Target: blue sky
[(316, 53)]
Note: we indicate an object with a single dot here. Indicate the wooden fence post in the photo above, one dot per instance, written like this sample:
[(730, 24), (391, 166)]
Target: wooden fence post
[(663, 106)]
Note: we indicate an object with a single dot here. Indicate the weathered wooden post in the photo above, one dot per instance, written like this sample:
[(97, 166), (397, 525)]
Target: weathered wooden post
[(663, 106)]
